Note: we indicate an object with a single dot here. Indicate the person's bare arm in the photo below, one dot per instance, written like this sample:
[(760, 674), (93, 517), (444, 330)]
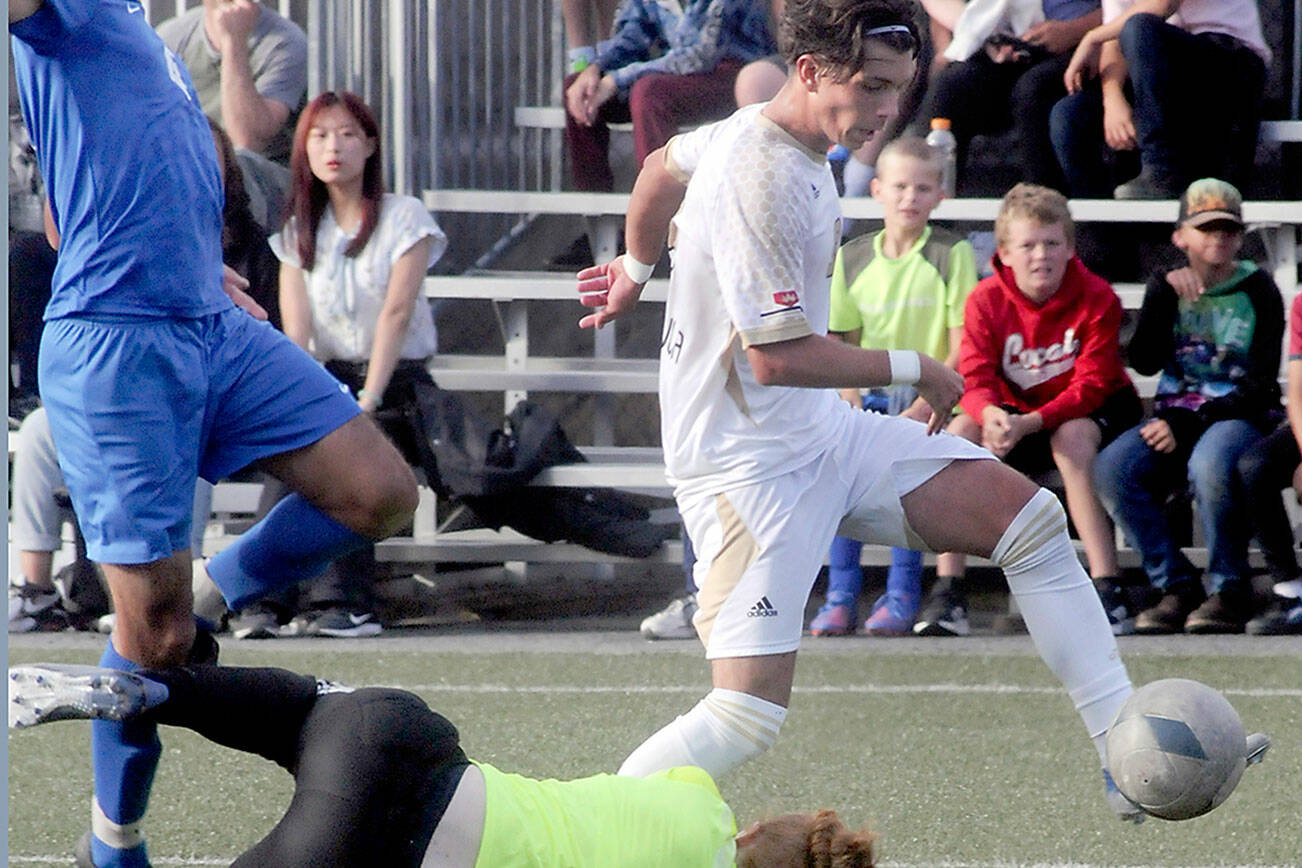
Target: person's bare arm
[(818, 361), (295, 313), (656, 197), (250, 118), (20, 9), (405, 283)]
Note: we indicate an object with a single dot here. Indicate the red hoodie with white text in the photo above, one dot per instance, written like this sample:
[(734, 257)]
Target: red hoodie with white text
[(1061, 358)]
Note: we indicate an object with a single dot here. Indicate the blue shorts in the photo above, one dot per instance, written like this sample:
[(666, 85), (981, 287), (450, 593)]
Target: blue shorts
[(140, 407)]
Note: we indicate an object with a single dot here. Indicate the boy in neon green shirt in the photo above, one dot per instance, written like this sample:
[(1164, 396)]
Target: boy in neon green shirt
[(902, 288)]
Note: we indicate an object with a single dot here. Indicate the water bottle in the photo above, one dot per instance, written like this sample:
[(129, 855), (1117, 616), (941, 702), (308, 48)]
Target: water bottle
[(942, 139)]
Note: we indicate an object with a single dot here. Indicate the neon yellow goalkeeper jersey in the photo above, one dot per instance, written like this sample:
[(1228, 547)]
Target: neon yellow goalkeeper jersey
[(675, 817)]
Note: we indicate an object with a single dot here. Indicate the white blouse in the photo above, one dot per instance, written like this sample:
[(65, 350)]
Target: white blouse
[(347, 294)]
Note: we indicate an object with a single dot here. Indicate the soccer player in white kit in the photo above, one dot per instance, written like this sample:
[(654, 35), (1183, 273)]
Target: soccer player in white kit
[(767, 463)]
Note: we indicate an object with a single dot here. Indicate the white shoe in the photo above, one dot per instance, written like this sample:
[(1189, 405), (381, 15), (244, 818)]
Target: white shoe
[(673, 621), (44, 692), (1292, 589)]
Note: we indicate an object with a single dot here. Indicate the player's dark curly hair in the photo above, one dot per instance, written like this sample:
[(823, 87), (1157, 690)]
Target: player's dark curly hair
[(833, 30), (808, 841)]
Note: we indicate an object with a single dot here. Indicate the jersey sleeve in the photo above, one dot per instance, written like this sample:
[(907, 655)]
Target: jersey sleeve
[(684, 151), (761, 221), (47, 28)]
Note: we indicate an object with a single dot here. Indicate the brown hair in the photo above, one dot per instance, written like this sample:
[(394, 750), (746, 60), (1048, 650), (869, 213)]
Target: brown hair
[(1033, 202), (808, 841), (833, 31), (915, 147), (307, 193)]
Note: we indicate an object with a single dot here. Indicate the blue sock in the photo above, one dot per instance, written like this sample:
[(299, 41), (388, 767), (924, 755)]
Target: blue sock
[(293, 542), (844, 575), (125, 755), (904, 578)]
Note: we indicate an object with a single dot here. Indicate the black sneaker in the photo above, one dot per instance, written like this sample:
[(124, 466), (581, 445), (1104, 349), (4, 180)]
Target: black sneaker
[(1226, 611), (944, 614), (338, 623), (33, 610), (258, 621), (1171, 612), (1116, 607)]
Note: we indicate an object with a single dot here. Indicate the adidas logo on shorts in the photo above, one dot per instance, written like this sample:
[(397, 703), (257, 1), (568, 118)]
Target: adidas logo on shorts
[(762, 609)]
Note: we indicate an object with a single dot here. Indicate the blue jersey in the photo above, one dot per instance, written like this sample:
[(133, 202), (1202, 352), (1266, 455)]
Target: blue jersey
[(128, 161)]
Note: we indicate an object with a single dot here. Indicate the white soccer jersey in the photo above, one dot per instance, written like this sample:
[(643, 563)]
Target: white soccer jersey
[(752, 249)]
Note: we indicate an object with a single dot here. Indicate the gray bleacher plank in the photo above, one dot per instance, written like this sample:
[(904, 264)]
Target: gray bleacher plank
[(522, 286)]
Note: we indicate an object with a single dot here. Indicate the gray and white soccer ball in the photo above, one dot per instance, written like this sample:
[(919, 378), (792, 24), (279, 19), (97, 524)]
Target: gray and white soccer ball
[(1177, 748)]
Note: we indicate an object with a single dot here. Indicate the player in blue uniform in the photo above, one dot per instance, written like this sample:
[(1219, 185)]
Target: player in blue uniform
[(152, 375)]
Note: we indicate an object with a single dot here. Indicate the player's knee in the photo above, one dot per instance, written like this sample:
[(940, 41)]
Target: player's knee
[(388, 503), (156, 638), (1040, 524)]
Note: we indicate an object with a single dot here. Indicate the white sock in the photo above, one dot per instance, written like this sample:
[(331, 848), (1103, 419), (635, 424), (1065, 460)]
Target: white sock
[(719, 733), (1063, 613)]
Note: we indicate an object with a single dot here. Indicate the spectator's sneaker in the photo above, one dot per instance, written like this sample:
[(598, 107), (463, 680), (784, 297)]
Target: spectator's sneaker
[(33, 610), (45, 692), (891, 616), (1291, 589), (1283, 618), (1226, 611), (673, 621), (1116, 607), (255, 622), (1126, 810), (945, 614), (1146, 186), (1170, 613), (337, 623), (833, 620)]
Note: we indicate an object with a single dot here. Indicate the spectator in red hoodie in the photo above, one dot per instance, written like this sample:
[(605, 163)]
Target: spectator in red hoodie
[(1044, 384)]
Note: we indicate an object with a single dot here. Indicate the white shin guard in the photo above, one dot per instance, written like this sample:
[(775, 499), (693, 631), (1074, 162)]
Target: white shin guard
[(719, 733), (1062, 611)]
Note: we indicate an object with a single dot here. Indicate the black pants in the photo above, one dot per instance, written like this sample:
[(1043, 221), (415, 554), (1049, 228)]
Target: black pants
[(373, 769), (981, 97), (1266, 469)]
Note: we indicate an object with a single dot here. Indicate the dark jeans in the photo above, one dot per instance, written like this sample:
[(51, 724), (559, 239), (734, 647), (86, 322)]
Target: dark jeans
[(981, 97), (1196, 107), (1133, 482), (657, 104), (1266, 469)]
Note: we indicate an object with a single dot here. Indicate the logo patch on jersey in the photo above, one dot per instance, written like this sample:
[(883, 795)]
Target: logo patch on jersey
[(817, 192), (786, 298)]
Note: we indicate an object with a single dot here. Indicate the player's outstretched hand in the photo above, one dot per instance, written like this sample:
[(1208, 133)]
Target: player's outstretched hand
[(941, 387), (234, 286), (609, 289)]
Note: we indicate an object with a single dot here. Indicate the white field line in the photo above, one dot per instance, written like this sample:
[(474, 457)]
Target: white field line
[(851, 689), (183, 861)]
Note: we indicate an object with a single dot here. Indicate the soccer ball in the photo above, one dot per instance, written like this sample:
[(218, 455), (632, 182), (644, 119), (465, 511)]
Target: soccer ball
[(1177, 748)]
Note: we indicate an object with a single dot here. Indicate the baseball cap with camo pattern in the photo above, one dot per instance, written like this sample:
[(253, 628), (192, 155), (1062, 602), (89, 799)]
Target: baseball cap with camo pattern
[(1209, 200)]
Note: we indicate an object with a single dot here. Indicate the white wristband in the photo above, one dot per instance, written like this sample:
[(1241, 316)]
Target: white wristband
[(906, 367), (638, 272)]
